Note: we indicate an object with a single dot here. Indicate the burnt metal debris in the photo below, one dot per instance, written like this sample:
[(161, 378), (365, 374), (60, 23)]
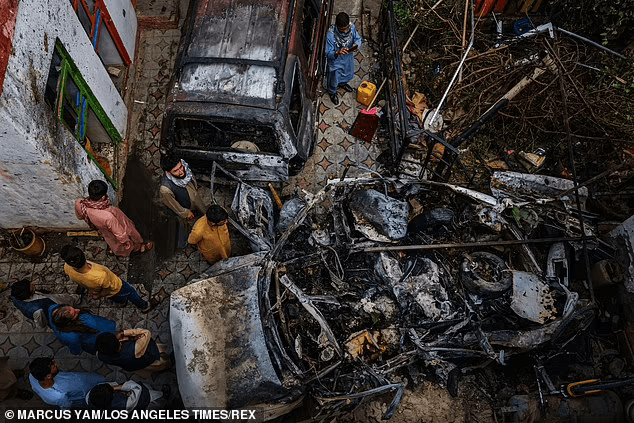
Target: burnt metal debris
[(362, 291), (451, 265)]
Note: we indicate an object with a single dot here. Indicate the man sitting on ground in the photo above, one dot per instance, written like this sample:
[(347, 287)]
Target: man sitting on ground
[(131, 349), (211, 235), (63, 389), (130, 396)]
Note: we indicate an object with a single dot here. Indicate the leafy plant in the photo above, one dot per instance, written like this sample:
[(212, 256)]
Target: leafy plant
[(611, 20), (402, 13)]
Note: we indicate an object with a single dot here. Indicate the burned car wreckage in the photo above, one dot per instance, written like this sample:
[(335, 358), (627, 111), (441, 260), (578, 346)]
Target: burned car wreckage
[(359, 288), (375, 283), (244, 87)]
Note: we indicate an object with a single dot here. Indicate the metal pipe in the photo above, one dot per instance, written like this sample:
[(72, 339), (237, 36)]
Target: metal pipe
[(375, 391), (475, 244), (607, 50), (575, 180), (455, 75)]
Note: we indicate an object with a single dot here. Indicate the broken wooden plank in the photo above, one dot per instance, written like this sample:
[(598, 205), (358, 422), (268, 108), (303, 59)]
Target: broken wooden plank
[(82, 233)]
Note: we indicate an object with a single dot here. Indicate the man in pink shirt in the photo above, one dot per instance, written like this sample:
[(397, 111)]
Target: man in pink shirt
[(116, 228)]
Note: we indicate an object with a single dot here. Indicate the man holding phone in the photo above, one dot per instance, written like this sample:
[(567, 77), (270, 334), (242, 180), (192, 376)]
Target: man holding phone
[(342, 40)]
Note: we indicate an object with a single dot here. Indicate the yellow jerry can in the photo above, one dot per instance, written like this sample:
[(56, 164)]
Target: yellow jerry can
[(366, 93)]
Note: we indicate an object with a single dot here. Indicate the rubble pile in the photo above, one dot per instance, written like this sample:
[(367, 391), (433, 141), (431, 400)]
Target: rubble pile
[(384, 283), (492, 254), (526, 95)]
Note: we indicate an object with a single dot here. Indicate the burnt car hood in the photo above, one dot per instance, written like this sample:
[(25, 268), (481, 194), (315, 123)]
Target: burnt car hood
[(222, 360)]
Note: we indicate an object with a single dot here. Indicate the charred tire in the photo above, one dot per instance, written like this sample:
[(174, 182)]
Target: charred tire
[(571, 326), (486, 274)]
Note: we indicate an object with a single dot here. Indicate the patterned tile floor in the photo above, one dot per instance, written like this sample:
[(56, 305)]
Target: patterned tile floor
[(21, 341), (335, 148)]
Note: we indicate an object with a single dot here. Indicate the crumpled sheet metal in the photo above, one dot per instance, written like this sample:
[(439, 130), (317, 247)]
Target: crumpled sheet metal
[(379, 217), (524, 339), (307, 303), (523, 186), (490, 218), (222, 365), (557, 265), (290, 210), (253, 208), (382, 305), (623, 235), (532, 298), (425, 288)]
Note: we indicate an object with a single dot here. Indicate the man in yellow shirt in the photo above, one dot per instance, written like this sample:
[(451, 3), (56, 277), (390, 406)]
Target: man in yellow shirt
[(211, 234), (100, 281)]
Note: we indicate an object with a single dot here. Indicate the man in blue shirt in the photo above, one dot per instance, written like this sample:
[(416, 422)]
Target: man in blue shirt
[(35, 304), (63, 389), (342, 41), (76, 329)]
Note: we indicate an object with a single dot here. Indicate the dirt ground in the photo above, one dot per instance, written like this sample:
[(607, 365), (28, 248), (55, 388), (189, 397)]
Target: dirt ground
[(427, 403)]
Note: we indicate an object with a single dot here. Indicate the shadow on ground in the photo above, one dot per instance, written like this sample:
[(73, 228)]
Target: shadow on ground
[(140, 203)]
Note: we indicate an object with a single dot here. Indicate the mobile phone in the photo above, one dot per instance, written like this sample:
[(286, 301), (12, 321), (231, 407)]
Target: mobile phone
[(353, 47)]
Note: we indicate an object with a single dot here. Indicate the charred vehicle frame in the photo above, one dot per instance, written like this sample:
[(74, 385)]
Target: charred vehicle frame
[(352, 297), (244, 87)]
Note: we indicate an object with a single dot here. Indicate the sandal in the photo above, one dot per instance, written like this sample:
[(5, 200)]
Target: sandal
[(146, 247)]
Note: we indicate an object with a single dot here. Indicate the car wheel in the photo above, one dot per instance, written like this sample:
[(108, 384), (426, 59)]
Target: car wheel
[(486, 274)]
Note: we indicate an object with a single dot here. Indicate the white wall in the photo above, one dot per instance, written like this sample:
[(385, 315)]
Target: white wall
[(42, 167), (41, 174), (38, 24), (124, 19)]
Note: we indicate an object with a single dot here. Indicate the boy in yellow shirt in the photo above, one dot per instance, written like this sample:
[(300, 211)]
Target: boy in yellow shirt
[(100, 281), (211, 234)]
